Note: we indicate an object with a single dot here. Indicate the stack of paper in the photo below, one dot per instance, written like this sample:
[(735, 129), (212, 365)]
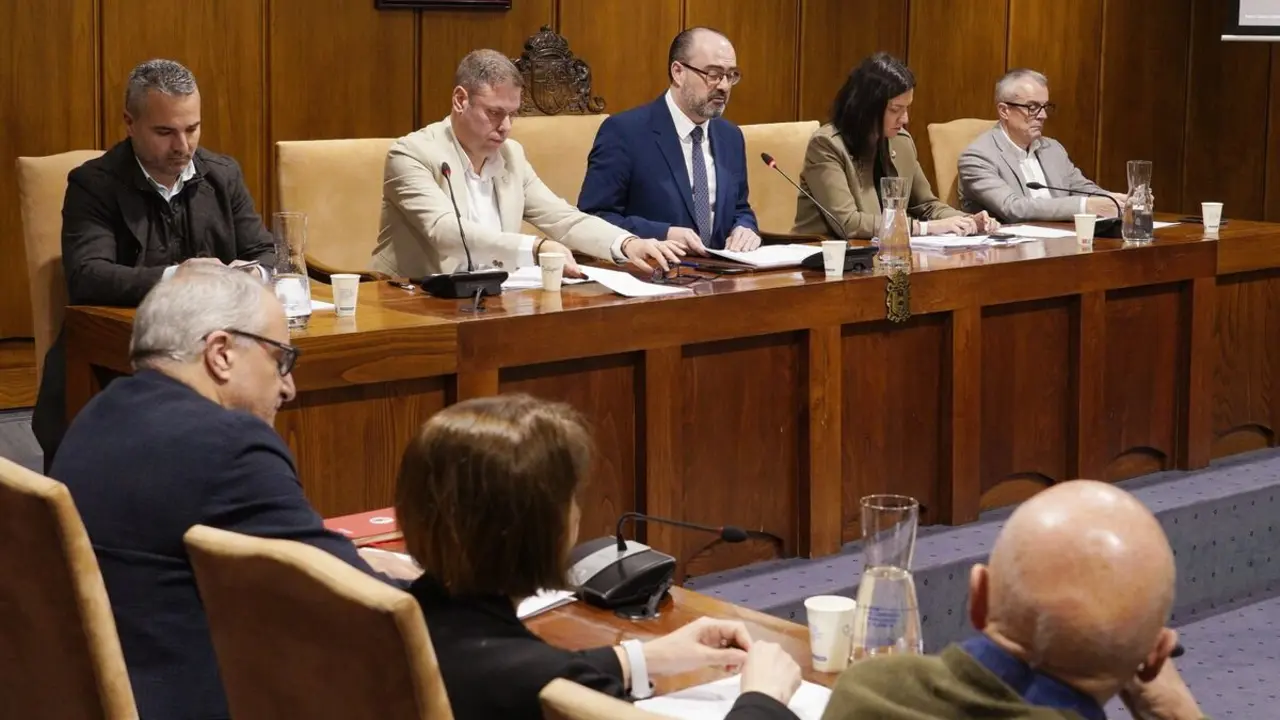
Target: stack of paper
[(629, 285), (770, 256), (1035, 231), (527, 278), (545, 600), (949, 242), (714, 700)]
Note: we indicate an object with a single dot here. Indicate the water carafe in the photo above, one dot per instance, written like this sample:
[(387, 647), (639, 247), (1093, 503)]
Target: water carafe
[(887, 617), (1139, 205), (289, 276), (894, 234)]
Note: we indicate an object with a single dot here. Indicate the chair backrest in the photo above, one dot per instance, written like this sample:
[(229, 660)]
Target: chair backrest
[(947, 141), (557, 148), (338, 184), (566, 700), (299, 633), (42, 186), (59, 652), (773, 198)]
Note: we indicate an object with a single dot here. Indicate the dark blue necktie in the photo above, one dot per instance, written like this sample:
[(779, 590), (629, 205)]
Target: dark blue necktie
[(701, 194)]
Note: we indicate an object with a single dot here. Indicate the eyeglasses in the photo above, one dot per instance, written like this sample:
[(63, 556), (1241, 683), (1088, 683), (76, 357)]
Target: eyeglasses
[(288, 353), (1034, 109), (676, 276), (714, 75)]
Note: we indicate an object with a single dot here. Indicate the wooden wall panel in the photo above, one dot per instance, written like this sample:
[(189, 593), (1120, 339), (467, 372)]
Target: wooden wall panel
[(221, 43), (956, 51), (1272, 211), (1063, 40), (447, 36), (764, 34), (1229, 83), (624, 78), (48, 102), (1144, 94), (835, 37)]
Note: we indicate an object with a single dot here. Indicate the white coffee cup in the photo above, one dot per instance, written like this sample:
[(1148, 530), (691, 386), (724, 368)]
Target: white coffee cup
[(552, 270), (830, 631), (1211, 214), (346, 292), (1085, 223), (833, 257)]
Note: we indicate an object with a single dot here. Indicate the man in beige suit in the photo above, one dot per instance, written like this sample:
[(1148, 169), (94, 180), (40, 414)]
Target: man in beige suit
[(495, 189)]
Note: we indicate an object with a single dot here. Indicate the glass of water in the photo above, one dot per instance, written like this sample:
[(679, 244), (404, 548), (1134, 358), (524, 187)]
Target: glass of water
[(887, 617), (289, 276)]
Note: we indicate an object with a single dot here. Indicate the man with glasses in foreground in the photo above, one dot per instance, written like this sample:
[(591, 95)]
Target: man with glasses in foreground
[(188, 440), (996, 168), (674, 169)]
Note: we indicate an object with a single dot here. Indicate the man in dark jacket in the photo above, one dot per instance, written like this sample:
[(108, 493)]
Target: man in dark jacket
[(188, 440), (152, 202)]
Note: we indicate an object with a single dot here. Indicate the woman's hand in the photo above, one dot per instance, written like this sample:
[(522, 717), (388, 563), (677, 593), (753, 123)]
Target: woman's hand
[(770, 670), (705, 642), (960, 225)]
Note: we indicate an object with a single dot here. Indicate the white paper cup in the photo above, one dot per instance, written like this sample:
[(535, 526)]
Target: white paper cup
[(1211, 214), (833, 257), (1085, 223), (552, 270), (830, 631), (346, 292)]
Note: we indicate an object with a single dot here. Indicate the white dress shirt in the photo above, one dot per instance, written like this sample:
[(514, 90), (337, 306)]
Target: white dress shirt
[(684, 130), (1032, 171)]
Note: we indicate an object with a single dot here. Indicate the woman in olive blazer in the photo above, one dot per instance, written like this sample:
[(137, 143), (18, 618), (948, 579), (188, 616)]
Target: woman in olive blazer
[(845, 176)]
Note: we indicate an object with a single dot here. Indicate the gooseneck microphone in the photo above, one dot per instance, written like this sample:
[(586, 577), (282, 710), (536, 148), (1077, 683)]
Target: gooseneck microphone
[(855, 258), (468, 283), (728, 533), (1103, 227), (836, 224), (448, 180)]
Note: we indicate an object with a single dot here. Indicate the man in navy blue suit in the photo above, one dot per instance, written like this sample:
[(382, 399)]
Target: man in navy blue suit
[(674, 169), (188, 440)]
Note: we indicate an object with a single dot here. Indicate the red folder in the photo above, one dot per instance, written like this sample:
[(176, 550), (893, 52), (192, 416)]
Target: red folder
[(366, 528)]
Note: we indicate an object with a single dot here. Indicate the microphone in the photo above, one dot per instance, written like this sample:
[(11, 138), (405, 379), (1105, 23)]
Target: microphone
[(462, 284), (728, 533), (1103, 227), (855, 258)]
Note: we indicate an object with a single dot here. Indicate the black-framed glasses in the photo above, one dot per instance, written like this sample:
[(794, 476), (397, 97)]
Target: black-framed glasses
[(1034, 109), (675, 276), (288, 353), (714, 75)]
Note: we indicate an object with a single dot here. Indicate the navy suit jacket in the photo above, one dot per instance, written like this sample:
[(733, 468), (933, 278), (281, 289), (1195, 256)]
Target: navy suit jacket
[(145, 460), (637, 179)]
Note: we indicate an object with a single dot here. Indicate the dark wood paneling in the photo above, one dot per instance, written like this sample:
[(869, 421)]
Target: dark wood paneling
[(17, 374), (221, 43), (1246, 378), (893, 413), (48, 102), (835, 35), (364, 428), (1229, 82), (741, 439), (1143, 326), (447, 36), (956, 50), (820, 493), (1026, 392), (1144, 93), (604, 391), (1273, 141), (624, 79), (1063, 40), (764, 35)]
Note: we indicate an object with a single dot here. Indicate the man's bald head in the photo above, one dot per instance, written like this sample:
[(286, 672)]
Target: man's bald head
[(1080, 584)]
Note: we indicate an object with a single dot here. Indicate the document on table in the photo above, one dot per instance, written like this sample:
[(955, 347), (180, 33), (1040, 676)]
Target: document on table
[(629, 285), (714, 700), (770, 256), (955, 242), (1158, 225), (321, 306), (527, 278), (545, 600), (1035, 231)]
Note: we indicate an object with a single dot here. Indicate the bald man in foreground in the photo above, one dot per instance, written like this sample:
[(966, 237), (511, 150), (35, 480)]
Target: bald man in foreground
[(1071, 612)]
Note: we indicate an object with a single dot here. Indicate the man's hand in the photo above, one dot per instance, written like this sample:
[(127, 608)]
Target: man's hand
[(742, 239), (390, 564), (686, 240), (770, 670), (1101, 207), (705, 642), (640, 252), (1166, 697), (571, 269), (984, 223)]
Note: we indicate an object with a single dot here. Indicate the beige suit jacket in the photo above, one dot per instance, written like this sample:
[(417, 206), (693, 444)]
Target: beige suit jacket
[(991, 180), (419, 234), (846, 188)]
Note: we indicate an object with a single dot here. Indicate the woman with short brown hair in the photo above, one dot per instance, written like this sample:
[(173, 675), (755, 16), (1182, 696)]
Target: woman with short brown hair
[(487, 498)]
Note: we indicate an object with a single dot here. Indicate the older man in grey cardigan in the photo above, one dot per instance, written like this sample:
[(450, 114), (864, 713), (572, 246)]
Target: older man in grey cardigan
[(996, 169)]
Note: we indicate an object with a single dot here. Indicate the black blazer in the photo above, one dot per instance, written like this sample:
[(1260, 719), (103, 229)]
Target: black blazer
[(494, 667), (145, 460)]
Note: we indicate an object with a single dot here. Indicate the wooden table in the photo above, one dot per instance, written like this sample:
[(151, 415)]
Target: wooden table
[(579, 626), (775, 400)]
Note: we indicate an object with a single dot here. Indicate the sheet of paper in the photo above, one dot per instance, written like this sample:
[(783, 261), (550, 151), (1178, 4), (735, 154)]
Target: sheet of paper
[(321, 306), (770, 256), (545, 600), (1035, 231), (949, 242), (714, 700), (526, 278), (629, 285), (1158, 225)]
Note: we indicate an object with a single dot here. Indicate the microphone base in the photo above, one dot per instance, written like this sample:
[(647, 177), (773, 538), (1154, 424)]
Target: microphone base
[(856, 259), (461, 285), (1108, 228)]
